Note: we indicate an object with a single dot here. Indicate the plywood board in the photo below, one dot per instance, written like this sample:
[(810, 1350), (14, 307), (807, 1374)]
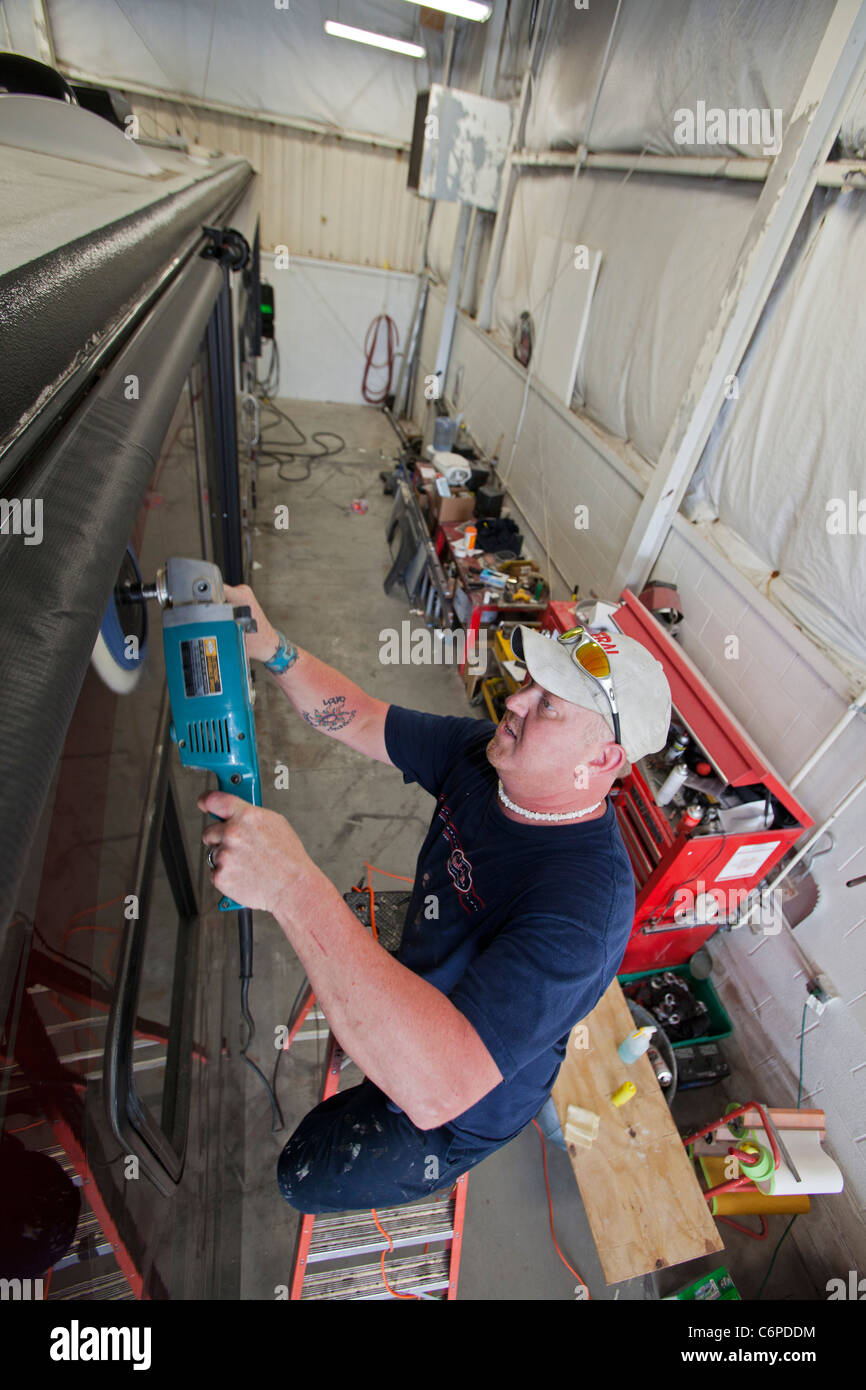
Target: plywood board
[(642, 1198)]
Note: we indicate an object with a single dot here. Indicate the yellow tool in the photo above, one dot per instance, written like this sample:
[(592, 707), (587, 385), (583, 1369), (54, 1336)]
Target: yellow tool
[(625, 1092)]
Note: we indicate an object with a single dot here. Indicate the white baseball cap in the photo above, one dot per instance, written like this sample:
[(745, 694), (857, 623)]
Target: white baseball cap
[(640, 686)]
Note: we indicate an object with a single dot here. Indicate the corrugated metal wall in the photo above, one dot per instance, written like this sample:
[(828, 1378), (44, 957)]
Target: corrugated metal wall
[(321, 196)]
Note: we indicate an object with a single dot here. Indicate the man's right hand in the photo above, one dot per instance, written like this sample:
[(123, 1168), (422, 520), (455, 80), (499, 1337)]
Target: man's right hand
[(262, 643)]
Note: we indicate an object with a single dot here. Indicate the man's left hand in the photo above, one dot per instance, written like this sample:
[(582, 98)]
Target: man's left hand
[(258, 856)]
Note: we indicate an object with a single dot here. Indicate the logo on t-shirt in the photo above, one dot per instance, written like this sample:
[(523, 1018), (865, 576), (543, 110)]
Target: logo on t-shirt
[(459, 867), (460, 870)]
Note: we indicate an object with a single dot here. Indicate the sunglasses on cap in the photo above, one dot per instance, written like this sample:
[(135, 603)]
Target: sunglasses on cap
[(592, 658)]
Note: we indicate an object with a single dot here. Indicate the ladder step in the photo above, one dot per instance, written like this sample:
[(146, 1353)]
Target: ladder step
[(338, 1236), (427, 1207), (88, 1226), (413, 1274), (111, 1286), (89, 1245), (95, 1252)]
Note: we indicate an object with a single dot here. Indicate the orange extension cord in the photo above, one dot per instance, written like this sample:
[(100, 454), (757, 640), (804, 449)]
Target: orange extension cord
[(550, 1209), (392, 1292)]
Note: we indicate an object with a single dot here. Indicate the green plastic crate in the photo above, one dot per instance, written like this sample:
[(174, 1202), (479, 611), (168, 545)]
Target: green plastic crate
[(720, 1024), (718, 1285)]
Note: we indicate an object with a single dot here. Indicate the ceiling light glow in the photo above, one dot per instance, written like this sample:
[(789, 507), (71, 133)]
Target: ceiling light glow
[(463, 9), (345, 31)]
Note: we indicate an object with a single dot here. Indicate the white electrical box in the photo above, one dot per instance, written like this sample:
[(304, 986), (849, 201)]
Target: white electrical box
[(459, 145)]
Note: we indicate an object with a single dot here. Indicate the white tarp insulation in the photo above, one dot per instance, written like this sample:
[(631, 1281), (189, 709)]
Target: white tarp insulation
[(792, 441), (260, 57), (668, 246), (786, 454), (668, 55), (479, 256), (17, 32), (440, 250), (266, 58)]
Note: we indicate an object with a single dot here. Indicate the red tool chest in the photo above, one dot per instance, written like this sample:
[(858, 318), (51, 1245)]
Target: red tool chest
[(688, 881)]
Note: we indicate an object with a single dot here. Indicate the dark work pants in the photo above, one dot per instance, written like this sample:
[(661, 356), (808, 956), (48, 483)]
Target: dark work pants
[(353, 1152)]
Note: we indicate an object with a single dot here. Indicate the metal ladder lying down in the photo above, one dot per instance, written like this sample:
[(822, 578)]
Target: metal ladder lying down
[(340, 1256), (417, 562)]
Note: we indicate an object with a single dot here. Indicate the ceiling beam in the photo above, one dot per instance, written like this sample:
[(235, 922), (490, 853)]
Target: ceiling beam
[(224, 108), (833, 173)]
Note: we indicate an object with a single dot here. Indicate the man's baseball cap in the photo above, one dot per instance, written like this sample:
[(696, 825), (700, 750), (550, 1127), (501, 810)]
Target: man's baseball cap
[(639, 682)]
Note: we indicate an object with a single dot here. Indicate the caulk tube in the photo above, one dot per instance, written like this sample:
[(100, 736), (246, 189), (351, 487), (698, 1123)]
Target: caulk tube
[(672, 783)]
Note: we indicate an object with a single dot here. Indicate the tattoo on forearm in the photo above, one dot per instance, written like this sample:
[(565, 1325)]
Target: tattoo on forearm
[(332, 715)]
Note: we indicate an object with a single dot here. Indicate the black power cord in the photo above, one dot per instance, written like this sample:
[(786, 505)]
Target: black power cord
[(245, 943), (62, 955), (285, 453), (304, 985), (279, 1122), (270, 387)]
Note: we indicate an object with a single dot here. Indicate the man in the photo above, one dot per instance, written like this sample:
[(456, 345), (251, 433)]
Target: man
[(520, 914)]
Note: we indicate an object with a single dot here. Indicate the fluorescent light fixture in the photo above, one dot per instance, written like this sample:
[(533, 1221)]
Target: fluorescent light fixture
[(345, 31), (464, 9)]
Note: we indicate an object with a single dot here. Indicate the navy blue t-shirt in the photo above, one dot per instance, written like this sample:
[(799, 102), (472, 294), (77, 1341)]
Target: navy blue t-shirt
[(521, 926)]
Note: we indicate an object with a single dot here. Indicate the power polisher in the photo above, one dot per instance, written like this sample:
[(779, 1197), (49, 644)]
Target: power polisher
[(211, 701)]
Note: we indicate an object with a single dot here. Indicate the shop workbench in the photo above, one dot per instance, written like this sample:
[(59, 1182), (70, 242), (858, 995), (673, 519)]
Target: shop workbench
[(643, 1201)]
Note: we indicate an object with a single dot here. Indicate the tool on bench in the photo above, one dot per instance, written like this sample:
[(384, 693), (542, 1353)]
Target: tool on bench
[(212, 709), (779, 1156), (494, 578)]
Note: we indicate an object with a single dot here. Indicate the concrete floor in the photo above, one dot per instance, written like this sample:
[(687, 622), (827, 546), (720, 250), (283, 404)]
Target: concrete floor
[(321, 582)]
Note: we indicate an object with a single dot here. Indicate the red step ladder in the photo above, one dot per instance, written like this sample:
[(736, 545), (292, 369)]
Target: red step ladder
[(346, 1255)]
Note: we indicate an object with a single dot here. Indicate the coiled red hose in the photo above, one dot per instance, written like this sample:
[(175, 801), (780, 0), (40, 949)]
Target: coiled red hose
[(371, 343)]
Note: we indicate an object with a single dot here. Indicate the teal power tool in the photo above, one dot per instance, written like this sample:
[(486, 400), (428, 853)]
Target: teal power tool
[(212, 710)]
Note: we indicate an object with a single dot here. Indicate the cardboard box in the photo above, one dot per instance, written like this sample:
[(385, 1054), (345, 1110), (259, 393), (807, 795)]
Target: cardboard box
[(460, 506)]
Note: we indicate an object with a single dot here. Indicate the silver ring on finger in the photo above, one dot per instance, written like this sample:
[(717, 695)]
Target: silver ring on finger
[(210, 858)]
